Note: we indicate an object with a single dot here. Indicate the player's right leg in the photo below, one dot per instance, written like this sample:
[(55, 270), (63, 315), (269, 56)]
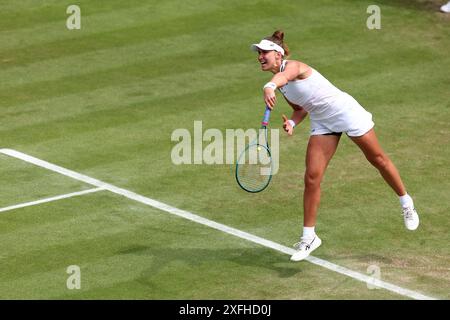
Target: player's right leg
[(446, 7), (371, 148)]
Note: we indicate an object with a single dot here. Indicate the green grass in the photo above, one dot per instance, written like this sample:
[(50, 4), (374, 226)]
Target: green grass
[(104, 101)]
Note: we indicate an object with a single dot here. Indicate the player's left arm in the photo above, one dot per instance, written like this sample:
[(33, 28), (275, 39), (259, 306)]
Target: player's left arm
[(297, 116)]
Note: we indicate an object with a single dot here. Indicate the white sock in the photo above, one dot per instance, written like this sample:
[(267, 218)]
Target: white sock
[(308, 233), (406, 201)]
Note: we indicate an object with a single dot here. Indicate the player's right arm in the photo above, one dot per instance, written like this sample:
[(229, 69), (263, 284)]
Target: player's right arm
[(294, 70)]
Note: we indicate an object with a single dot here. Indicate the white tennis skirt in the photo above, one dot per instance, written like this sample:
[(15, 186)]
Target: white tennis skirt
[(351, 118)]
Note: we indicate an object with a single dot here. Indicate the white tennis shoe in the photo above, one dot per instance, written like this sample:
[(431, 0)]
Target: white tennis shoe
[(446, 8), (410, 217), (305, 247)]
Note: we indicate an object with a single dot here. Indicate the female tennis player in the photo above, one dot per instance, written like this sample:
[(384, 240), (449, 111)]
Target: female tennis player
[(332, 112)]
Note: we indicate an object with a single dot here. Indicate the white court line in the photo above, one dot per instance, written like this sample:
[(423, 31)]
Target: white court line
[(236, 232), (63, 196)]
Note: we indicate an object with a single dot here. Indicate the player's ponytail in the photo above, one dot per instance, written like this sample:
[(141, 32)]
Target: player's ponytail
[(278, 35), (278, 38)]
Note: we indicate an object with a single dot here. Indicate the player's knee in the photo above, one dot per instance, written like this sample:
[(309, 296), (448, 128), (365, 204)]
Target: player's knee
[(312, 179), (379, 161)]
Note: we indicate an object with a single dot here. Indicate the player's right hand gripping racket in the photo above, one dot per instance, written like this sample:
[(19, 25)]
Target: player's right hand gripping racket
[(254, 165)]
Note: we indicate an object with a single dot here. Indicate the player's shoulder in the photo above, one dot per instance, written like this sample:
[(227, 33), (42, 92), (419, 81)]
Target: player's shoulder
[(291, 63), (300, 67), (295, 62)]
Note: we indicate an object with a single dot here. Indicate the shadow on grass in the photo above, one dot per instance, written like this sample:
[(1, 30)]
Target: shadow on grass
[(256, 258)]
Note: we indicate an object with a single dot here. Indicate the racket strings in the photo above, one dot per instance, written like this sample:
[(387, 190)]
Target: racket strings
[(254, 168)]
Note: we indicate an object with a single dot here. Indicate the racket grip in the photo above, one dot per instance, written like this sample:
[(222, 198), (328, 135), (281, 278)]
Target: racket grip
[(265, 120)]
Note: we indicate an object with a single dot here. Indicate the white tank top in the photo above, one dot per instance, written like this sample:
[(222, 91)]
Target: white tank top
[(315, 94)]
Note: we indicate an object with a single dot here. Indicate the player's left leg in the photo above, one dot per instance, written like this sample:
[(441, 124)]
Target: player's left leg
[(371, 148), (319, 152)]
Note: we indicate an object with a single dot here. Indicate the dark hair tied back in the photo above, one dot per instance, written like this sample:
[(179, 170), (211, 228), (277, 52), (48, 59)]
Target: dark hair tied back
[(278, 35), (278, 38)]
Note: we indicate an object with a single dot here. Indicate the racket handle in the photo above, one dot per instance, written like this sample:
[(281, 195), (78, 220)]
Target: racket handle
[(265, 120)]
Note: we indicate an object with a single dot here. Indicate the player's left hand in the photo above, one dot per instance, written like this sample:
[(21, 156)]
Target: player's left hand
[(287, 126)]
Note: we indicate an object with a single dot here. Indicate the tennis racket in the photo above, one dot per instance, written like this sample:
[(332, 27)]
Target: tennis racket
[(254, 165)]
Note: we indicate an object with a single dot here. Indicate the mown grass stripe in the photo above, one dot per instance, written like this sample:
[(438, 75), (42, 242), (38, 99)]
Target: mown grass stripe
[(139, 90), (178, 16)]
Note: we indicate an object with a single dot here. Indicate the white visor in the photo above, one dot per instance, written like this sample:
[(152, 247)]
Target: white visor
[(267, 45)]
